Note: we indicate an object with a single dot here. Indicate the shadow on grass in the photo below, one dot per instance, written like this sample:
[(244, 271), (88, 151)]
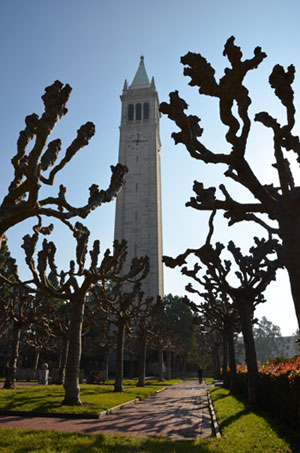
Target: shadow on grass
[(75, 443), (219, 397), (19, 401), (292, 436), (49, 399), (233, 419), (151, 446), (283, 431)]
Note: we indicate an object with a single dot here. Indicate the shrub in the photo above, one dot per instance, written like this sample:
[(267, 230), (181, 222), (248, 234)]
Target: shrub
[(279, 389)]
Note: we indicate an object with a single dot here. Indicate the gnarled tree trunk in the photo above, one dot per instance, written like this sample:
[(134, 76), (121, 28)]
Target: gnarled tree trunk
[(36, 359), (225, 362), (10, 380), (290, 234), (161, 364), (120, 358), (63, 361), (131, 366), (142, 363), (71, 384), (215, 362), (169, 365), (183, 368), (245, 311), (105, 363), (232, 362)]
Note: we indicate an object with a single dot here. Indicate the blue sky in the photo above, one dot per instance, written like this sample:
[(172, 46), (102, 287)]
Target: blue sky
[(94, 45)]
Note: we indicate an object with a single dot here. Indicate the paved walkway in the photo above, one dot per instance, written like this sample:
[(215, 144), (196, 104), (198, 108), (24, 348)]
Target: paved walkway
[(179, 412)]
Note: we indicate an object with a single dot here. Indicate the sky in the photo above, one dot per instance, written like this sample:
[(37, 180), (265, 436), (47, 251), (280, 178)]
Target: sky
[(94, 45)]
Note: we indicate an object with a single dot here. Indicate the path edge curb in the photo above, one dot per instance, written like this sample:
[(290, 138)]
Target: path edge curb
[(213, 417), (119, 406)]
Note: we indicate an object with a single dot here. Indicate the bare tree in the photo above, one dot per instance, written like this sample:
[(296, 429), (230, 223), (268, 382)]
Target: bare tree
[(8, 269), (280, 203), (210, 342), (216, 312), (22, 310), (73, 286), (22, 200), (143, 333), (255, 272), (100, 339), (163, 335), (122, 304)]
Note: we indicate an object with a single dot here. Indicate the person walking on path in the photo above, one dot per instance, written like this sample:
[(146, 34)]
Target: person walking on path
[(200, 374)]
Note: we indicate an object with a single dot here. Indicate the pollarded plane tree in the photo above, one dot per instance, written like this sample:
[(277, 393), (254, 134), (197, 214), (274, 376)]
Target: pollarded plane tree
[(143, 333), (281, 203), (209, 340), (162, 336), (102, 337), (122, 303), (176, 351), (8, 268), (40, 340), (18, 311), (36, 168), (130, 350), (254, 273), (99, 340), (60, 315), (54, 339), (210, 343), (22, 311), (216, 312), (179, 314), (58, 312), (73, 286)]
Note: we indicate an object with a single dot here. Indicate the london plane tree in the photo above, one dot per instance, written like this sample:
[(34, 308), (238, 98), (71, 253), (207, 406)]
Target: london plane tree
[(254, 273), (74, 285), (279, 202), (121, 304), (216, 313), (36, 168)]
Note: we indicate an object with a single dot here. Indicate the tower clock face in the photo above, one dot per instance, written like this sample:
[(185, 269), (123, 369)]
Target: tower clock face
[(137, 141)]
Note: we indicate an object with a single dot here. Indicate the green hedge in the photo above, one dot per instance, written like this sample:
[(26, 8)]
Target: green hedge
[(278, 395)]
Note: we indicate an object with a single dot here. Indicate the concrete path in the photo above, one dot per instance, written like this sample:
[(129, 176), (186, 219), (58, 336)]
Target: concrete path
[(179, 412)]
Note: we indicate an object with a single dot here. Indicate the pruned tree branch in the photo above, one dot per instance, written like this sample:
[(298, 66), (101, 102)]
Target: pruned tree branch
[(22, 200)]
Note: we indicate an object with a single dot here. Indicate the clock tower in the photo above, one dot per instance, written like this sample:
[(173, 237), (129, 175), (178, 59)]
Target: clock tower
[(138, 209)]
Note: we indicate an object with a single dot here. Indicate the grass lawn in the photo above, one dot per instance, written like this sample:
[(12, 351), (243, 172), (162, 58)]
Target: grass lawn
[(96, 398), (208, 380), (243, 432)]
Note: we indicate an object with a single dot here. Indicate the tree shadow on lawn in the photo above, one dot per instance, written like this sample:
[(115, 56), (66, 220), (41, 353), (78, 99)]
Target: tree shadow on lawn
[(20, 401), (282, 430), (76, 443), (219, 397), (292, 436), (31, 401), (147, 445)]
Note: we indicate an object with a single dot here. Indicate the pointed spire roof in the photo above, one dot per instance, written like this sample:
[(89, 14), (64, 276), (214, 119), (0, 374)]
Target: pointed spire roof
[(140, 79)]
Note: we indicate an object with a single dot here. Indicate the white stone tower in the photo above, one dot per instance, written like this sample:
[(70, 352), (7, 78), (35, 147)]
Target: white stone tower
[(138, 209)]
